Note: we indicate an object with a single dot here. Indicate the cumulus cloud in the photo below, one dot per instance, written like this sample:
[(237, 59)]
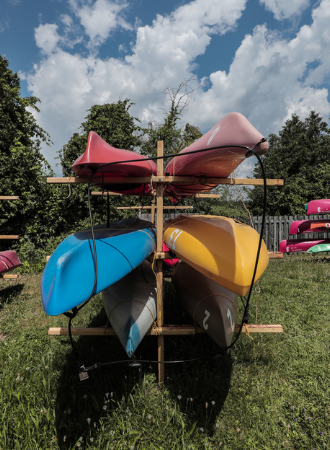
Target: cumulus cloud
[(270, 77), (284, 9), (99, 19)]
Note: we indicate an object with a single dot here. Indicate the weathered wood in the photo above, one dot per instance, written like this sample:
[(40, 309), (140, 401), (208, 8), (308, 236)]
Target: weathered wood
[(168, 179), (105, 193), (9, 197), (275, 255), (150, 207), (159, 264), (9, 236), (9, 276), (165, 330)]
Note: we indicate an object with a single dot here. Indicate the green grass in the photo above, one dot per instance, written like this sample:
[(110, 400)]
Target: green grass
[(271, 392)]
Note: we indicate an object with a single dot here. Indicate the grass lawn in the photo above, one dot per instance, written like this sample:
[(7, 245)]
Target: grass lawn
[(271, 392)]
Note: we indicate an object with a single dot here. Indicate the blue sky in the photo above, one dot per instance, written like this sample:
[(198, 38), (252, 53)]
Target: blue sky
[(264, 58)]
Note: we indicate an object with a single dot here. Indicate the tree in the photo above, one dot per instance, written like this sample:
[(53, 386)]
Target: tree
[(300, 156), (23, 170), (173, 137)]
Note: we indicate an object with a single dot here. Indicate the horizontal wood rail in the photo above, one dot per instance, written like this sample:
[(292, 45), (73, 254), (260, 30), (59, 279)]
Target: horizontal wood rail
[(105, 193), (9, 236), (9, 276), (165, 330), (9, 197), (150, 207), (275, 255), (167, 179)]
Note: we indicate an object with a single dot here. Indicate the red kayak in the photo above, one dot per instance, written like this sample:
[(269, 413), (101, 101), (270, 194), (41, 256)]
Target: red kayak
[(233, 129), (98, 152), (9, 261), (299, 245), (318, 206), (309, 226)]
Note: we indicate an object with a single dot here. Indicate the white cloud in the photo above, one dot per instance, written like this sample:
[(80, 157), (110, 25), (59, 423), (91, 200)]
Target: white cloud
[(269, 78), (284, 9), (47, 38), (100, 19)]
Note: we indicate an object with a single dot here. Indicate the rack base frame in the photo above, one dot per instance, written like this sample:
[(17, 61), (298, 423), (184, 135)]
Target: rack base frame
[(165, 330)]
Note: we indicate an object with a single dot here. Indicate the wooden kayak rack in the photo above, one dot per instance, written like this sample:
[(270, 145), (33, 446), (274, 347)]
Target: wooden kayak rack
[(9, 276), (160, 180)]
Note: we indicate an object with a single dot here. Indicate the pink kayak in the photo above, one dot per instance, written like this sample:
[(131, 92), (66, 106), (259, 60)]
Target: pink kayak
[(309, 226), (299, 245), (233, 129), (169, 262), (98, 152), (9, 261), (318, 206)]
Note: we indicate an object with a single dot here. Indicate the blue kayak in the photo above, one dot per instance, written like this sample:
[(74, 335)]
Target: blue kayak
[(68, 278)]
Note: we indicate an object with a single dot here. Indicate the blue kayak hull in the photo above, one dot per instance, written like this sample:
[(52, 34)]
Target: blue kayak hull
[(69, 275), (131, 306)]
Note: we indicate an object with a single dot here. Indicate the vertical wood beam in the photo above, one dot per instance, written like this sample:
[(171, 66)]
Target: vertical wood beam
[(159, 264)]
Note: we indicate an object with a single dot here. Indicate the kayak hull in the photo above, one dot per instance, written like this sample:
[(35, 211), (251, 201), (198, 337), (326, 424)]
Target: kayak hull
[(69, 275), (9, 260), (220, 248), (319, 248), (299, 245), (131, 306), (318, 206), (98, 152), (213, 307), (309, 226), (233, 129)]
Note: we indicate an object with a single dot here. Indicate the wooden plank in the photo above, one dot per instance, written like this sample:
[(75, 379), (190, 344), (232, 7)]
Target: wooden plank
[(159, 264), (9, 276), (9, 236), (275, 255), (9, 197), (168, 179), (165, 330), (206, 196), (150, 207), (105, 193)]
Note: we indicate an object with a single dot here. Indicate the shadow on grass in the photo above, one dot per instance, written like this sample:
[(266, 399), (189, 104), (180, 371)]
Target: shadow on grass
[(80, 404), (9, 293)]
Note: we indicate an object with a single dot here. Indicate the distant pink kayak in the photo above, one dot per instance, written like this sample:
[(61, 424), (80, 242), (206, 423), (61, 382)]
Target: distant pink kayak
[(318, 206), (9, 261), (299, 245), (233, 129), (309, 226)]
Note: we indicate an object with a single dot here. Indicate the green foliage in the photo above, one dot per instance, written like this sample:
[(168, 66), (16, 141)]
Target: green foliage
[(300, 156), (23, 170)]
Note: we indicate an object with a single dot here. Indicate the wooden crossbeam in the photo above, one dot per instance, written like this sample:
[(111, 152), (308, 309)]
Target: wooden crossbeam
[(7, 276), (165, 330), (9, 197), (275, 255), (149, 207), (9, 236), (168, 179), (105, 193)]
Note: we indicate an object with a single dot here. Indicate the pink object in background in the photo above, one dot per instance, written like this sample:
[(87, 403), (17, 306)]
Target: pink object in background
[(170, 262), (318, 206), (309, 226), (299, 245), (9, 261)]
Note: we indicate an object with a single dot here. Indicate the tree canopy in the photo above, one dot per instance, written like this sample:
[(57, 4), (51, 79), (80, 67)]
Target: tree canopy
[(299, 155)]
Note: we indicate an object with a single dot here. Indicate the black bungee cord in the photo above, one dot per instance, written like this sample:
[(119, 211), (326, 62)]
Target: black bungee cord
[(133, 362)]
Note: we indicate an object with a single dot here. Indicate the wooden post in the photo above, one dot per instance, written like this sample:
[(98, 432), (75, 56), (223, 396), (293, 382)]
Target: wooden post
[(159, 268)]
